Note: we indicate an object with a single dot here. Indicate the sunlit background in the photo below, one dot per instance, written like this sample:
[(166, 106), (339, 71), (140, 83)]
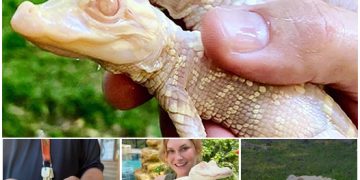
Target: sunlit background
[(55, 96)]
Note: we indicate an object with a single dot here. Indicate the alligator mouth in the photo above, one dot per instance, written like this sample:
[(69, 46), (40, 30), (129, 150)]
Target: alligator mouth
[(57, 50)]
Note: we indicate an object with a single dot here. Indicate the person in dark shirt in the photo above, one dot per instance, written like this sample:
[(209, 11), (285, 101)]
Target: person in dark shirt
[(72, 159)]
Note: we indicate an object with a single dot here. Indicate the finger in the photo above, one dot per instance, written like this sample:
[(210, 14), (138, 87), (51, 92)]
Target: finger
[(279, 43), (212, 129), (122, 93), (166, 126), (215, 130), (347, 103), (246, 45), (303, 45)]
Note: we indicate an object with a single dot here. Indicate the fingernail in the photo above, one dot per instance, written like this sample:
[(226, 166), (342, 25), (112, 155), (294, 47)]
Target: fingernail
[(245, 31)]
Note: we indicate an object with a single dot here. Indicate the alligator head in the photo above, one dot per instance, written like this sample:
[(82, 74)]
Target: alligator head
[(114, 31)]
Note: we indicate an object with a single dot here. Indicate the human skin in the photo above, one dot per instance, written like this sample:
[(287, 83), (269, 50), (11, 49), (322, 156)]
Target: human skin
[(212, 129), (308, 41), (122, 93), (90, 174), (181, 156)]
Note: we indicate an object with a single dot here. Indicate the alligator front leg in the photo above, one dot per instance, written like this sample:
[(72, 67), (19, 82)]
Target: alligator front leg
[(176, 101)]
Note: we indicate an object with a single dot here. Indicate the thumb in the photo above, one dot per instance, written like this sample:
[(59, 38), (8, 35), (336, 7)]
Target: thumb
[(284, 42), (242, 42)]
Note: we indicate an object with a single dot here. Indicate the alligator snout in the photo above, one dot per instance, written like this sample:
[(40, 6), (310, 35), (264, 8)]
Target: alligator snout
[(25, 21)]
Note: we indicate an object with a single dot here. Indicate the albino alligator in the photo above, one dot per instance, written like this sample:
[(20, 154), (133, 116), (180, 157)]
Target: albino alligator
[(207, 171), (293, 177), (134, 37)]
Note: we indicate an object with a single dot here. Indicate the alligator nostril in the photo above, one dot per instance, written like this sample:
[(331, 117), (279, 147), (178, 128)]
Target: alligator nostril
[(24, 21), (25, 8), (30, 10)]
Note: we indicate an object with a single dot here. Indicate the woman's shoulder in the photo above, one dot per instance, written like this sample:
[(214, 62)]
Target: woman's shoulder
[(162, 177)]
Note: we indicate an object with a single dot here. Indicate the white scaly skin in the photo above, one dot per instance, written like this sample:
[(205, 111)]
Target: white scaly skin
[(141, 41), (191, 11), (207, 171), (293, 177)]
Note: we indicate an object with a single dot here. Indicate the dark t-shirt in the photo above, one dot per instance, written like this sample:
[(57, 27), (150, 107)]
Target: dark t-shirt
[(22, 158)]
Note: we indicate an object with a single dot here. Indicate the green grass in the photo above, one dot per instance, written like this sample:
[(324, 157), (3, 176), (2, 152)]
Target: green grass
[(329, 158), (60, 96)]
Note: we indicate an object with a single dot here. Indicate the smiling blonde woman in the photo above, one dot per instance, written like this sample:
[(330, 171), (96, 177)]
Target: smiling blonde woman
[(180, 155)]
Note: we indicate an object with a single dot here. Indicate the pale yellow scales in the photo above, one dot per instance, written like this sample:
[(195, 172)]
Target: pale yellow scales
[(207, 171), (134, 37)]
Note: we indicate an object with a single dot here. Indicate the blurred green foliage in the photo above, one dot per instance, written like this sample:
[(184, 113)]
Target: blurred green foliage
[(222, 151), (60, 96), (261, 159)]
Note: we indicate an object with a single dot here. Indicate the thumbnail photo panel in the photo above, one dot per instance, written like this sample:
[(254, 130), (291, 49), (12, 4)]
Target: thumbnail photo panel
[(58, 159), (144, 159), (294, 159)]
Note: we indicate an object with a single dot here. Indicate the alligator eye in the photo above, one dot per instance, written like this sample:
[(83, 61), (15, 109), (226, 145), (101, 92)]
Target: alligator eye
[(108, 7)]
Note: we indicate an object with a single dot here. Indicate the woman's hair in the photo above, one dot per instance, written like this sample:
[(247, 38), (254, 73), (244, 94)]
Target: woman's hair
[(197, 144)]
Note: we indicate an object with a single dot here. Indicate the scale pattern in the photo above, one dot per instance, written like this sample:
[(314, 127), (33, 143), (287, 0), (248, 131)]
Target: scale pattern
[(248, 108), (170, 63)]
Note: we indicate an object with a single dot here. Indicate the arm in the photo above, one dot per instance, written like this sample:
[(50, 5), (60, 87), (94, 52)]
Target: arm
[(92, 174), (91, 165)]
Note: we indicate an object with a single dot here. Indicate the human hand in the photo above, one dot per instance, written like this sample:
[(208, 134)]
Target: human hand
[(122, 93), (72, 178), (288, 42), (92, 174), (300, 49)]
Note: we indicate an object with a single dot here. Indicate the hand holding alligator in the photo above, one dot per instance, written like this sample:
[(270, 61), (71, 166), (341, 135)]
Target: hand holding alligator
[(279, 42)]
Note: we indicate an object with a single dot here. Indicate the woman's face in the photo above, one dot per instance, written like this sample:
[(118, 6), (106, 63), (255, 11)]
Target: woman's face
[(181, 156)]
